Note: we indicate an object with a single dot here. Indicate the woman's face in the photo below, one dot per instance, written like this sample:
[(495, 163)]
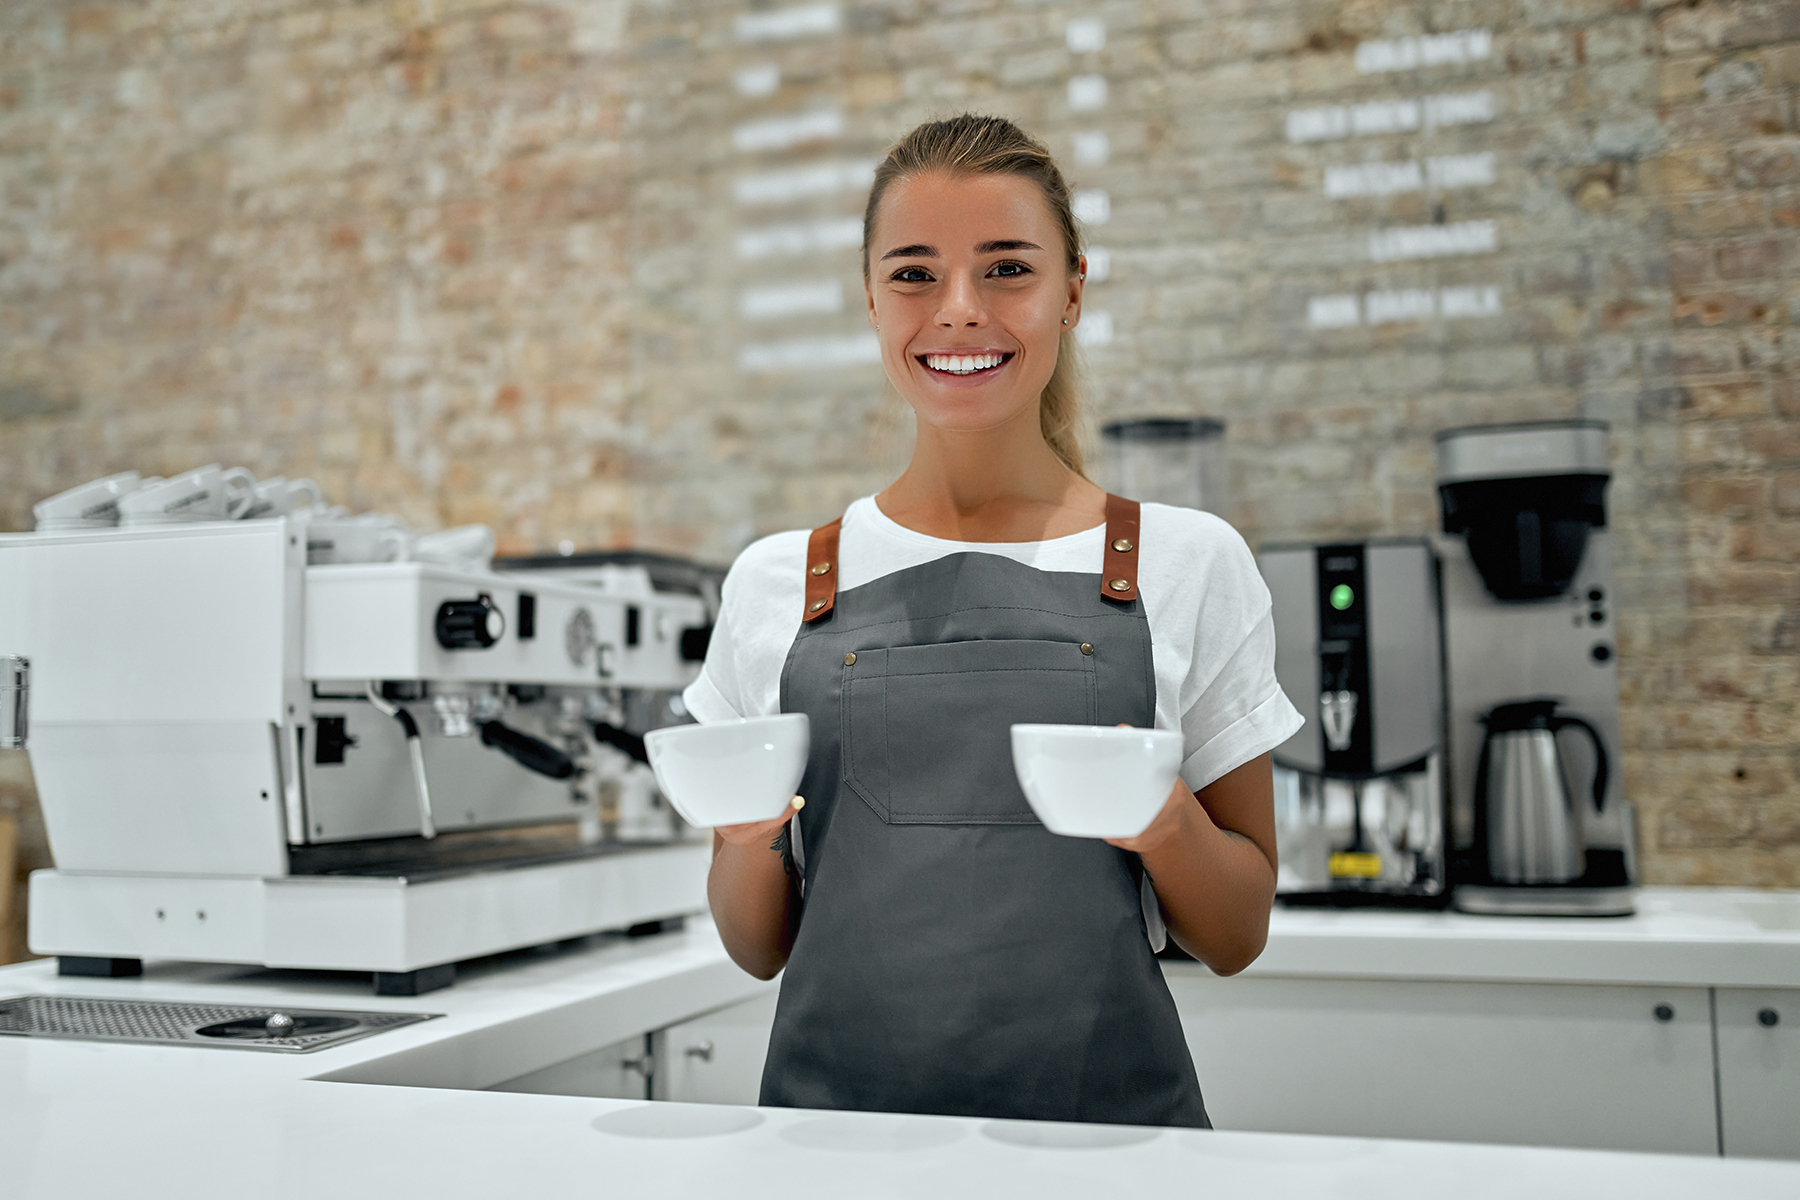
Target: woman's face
[(969, 288)]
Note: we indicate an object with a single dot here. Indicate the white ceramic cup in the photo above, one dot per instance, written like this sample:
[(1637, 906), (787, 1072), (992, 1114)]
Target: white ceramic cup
[(280, 496), (92, 505), (731, 772), (470, 547), (366, 539), (209, 493), (1096, 781)]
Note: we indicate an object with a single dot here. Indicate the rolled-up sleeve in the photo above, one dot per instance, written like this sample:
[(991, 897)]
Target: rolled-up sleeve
[(1232, 708), (1242, 714)]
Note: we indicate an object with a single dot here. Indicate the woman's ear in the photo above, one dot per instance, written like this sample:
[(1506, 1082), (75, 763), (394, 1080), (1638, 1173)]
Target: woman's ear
[(1077, 282), (869, 295)]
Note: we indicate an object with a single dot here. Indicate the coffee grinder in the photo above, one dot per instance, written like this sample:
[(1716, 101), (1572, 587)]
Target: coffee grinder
[(1539, 818), (1359, 790)]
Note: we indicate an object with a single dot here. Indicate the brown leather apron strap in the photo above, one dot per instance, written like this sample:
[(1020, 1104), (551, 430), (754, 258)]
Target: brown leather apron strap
[(1119, 577), (821, 570)]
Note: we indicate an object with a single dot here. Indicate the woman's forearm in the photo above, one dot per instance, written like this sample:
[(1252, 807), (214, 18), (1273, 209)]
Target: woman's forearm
[(1211, 859), (1215, 888), (754, 902)]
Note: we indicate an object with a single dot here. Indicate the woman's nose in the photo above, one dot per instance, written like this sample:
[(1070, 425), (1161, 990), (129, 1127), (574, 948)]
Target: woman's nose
[(962, 305)]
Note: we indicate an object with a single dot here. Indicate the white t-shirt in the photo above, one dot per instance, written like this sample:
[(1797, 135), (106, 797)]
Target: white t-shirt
[(1211, 635)]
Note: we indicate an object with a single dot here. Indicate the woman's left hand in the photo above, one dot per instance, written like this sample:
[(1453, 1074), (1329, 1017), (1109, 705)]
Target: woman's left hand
[(1177, 811)]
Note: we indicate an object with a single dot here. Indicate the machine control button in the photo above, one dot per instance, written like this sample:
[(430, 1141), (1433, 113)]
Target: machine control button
[(1601, 652), (1595, 595), (579, 638), (1664, 1013), (469, 624), (1768, 1018)]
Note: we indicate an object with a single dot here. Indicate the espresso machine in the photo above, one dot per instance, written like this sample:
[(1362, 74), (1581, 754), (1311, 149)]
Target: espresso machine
[(1541, 825), (1359, 790), (253, 745)]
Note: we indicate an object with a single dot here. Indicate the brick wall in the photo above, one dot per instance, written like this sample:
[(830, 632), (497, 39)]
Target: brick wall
[(569, 268)]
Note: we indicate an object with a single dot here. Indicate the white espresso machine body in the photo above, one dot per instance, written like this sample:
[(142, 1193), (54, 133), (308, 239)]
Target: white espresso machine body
[(216, 730)]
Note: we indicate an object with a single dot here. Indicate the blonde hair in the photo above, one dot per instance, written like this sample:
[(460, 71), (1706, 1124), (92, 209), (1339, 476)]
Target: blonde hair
[(976, 145)]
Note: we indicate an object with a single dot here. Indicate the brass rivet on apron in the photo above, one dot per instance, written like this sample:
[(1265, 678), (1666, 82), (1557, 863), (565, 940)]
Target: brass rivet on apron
[(1119, 585), (850, 660), (1122, 545), (1087, 647), (815, 606), (823, 568)]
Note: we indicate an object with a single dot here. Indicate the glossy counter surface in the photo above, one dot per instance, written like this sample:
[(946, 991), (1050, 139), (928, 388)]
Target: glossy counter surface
[(1702, 937), (90, 1119)]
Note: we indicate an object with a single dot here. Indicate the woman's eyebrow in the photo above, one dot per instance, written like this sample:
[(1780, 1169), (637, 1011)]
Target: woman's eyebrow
[(923, 251), (916, 251)]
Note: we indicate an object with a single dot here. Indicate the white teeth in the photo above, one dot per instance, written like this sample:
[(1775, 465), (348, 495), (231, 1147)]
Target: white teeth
[(963, 364)]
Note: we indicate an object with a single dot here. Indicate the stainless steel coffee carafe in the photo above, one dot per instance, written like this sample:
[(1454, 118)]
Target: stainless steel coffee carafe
[(1522, 798)]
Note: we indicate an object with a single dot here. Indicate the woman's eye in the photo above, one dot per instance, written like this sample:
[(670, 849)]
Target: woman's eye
[(1009, 270), (912, 275)]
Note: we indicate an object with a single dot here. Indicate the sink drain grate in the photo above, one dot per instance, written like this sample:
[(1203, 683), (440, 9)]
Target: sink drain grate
[(162, 1022)]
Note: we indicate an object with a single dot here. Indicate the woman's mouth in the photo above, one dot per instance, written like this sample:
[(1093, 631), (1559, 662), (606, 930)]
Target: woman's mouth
[(964, 364)]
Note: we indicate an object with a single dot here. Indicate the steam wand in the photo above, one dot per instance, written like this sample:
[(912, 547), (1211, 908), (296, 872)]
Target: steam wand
[(427, 827)]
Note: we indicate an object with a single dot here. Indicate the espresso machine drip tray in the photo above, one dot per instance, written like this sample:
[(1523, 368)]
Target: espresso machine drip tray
[(158, 1022)]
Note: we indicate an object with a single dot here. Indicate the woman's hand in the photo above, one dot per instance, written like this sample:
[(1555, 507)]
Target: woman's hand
[(1211, 858), (757, 833), (1171, 821)]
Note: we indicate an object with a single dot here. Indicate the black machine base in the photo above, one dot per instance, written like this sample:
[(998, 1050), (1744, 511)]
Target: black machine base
[(1361, 898), (1605, 889), (99, 968), (415, 983)]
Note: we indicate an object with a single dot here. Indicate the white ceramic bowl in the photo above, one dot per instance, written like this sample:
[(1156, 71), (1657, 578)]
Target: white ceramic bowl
[(1096, 781), (731, 772)]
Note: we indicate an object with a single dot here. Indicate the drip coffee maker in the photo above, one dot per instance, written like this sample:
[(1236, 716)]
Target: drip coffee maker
[(1528, 624)]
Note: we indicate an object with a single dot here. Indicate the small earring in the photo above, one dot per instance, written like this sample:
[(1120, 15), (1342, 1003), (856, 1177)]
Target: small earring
[(1065, 320)]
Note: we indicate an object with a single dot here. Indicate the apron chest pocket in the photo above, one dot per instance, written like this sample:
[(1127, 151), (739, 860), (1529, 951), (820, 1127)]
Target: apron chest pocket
[(926, 729)]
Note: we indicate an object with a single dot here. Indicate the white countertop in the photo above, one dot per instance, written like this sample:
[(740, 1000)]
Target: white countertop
[(95, 1119), (1702, 937)]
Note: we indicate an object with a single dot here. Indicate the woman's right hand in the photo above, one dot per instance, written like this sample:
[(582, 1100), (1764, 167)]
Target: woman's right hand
[(759, 833)]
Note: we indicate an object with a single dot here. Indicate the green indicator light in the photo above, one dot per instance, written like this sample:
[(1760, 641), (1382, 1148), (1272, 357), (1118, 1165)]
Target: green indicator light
[(1342, 597)]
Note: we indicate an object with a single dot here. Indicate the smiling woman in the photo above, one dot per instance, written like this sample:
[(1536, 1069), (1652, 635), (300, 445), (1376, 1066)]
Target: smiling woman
[(944, 951), (1031, 271)]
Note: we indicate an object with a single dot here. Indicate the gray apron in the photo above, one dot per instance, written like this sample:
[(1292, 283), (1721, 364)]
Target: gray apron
[(953, 955)]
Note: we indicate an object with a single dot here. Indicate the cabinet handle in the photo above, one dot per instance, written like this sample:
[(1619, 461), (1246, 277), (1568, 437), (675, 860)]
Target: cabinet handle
[(645, 1066), (704, 1050), (1664, 1012), (1768, 1018)]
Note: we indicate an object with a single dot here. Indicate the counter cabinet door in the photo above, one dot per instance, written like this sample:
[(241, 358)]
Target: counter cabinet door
[(718, 1058), (622, 1071), (1759, 1072), (1627, 1068)]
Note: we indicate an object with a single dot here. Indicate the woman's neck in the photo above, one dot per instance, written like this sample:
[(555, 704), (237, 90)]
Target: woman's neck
[(998, 485)]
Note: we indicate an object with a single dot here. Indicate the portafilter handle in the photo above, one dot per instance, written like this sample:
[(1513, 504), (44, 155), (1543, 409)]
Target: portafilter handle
[(15, 701)]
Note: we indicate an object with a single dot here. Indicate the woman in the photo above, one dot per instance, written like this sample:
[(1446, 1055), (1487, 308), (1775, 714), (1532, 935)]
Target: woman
[(955, 956)]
